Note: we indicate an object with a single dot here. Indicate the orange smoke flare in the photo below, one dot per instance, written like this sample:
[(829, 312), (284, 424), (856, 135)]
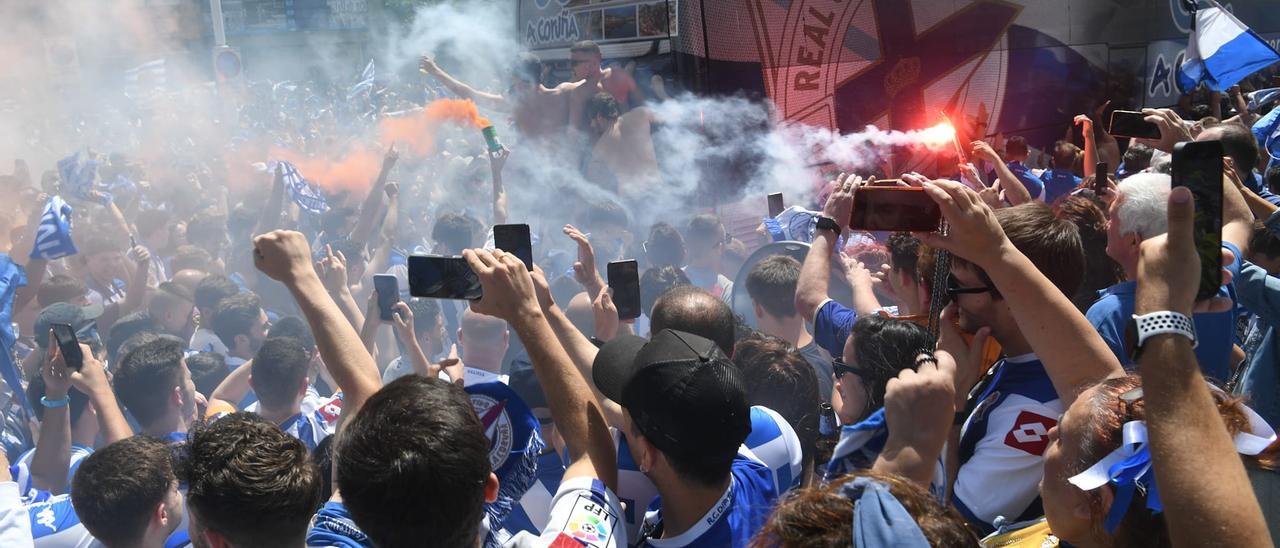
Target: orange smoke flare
[(352, 172), (417, 132)]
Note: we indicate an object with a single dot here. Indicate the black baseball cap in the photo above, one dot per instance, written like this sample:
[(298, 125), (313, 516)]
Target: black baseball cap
[(82, 319), (683, 393)]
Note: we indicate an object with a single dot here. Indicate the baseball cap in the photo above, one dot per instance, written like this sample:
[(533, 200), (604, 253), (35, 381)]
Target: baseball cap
[(682, 392), (83, 319)]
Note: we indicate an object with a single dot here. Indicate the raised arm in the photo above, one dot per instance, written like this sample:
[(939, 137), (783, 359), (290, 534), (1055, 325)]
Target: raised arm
[(918, 410), (491, 100), (579, 348), (285, 257), (815, 273), (1014, 191), (91, 380), (373, 202), (52, 457), (234, 386), (1090, 145), (1237, 215), (496, 162), (386, 236), (509, 295), (1073, 353), (333, 274), (1187, 434)]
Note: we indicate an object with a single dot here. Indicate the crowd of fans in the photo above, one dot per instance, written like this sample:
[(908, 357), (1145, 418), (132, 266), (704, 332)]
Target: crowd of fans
[(973, 386)]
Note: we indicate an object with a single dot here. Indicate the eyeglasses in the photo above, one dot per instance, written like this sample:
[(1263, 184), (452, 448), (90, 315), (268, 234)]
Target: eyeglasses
[(840, 368), (953, 288)]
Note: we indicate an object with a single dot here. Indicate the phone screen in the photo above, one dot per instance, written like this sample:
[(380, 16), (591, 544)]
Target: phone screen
[(775, 204), (1197, 165), (388, 288), (624, 279), (894, 209), (1100, 175), (515, 239), (68, 345), (437, 277), (1127, 123)]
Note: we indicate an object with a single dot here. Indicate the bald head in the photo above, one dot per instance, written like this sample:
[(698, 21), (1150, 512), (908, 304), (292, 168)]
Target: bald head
[(694, 310), (580, 314), (188, 279), (483, 340)]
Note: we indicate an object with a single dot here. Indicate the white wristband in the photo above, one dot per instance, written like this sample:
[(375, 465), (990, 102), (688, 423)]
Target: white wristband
[(1165, 322)]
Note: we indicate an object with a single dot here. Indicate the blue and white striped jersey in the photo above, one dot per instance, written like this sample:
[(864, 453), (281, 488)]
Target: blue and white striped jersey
[(21, 470), (54, 523)]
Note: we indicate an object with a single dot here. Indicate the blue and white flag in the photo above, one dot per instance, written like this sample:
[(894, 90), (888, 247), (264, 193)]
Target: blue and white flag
[(515, 441), (12, 276), (77, 176), (365, 83), (1222, 51), (304, 193), (53, 234)]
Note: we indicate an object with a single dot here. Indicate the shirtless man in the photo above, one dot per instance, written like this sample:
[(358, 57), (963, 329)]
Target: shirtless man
[(622, 157), (586, 58), (539, 112)]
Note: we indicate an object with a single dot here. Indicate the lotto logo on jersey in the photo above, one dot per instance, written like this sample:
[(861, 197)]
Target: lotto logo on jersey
[(1030, 433)]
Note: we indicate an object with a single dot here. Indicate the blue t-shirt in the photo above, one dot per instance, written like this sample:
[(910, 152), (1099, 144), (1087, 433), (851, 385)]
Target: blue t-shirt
[(1002, 444), (1034, 185), (732, 521), (832, 325), (1215, 332), (54, 523), (1057, 183)]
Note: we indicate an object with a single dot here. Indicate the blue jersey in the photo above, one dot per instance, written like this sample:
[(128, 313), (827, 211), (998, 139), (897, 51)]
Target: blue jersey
[(832, 325), (771, 443), (54, 523), (533, 511), (1215, 332), (1002, 444), (1058, 183), (1034, 185), (21, 471), (317, 419), (334, 527), (731, 521)]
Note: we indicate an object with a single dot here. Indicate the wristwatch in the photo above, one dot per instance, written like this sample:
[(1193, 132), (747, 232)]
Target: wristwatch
[(1141, 328), (827, 223)]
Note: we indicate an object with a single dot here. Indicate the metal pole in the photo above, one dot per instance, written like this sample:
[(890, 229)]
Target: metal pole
[(215, 13)]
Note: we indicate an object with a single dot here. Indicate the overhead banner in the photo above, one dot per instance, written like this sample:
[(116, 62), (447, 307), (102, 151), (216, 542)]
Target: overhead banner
[(547, 24)]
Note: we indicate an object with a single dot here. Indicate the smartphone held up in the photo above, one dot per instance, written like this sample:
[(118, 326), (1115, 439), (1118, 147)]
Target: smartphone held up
[(68, 345), (624, 280), (894, 209), (1197, 165), (388, 289), (440, 277)]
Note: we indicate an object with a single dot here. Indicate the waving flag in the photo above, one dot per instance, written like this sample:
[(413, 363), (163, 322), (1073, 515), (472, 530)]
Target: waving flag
[(1222, 51), (77, 177), (11, 278), (365, 83), (515, 441), (303, 193), (53, 234)]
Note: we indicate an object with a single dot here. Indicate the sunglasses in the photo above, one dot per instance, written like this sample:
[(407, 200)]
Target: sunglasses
[(953, 288), (840, 368)]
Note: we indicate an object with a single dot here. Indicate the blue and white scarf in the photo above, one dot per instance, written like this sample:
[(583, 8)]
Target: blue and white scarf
[(53, 234)]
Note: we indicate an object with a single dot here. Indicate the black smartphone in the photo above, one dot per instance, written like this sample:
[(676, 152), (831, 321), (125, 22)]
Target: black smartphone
[(1100, 175), (1197, 165), (438, 277), (894, 209), (68, 345), (624, 279), (515, 239), (775, 205), (388, 289), (1127, 123)]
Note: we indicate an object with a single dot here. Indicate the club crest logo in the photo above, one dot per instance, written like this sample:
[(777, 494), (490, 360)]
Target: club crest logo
[(497, 427)]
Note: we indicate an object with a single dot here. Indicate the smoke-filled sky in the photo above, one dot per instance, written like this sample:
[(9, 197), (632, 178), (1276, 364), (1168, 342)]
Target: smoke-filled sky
[(46, 114)]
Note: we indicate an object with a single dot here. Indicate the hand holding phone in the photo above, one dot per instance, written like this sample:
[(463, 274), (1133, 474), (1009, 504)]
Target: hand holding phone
[(1100, 178), (68, 345), (894, 209), (1127, 123), (624, 279), (776, 205), (1197, 165), (515, 239), (388, 290), (439, 277)]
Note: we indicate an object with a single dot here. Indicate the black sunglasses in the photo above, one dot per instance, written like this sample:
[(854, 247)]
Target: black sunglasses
[(840, 369), (953, 288)]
